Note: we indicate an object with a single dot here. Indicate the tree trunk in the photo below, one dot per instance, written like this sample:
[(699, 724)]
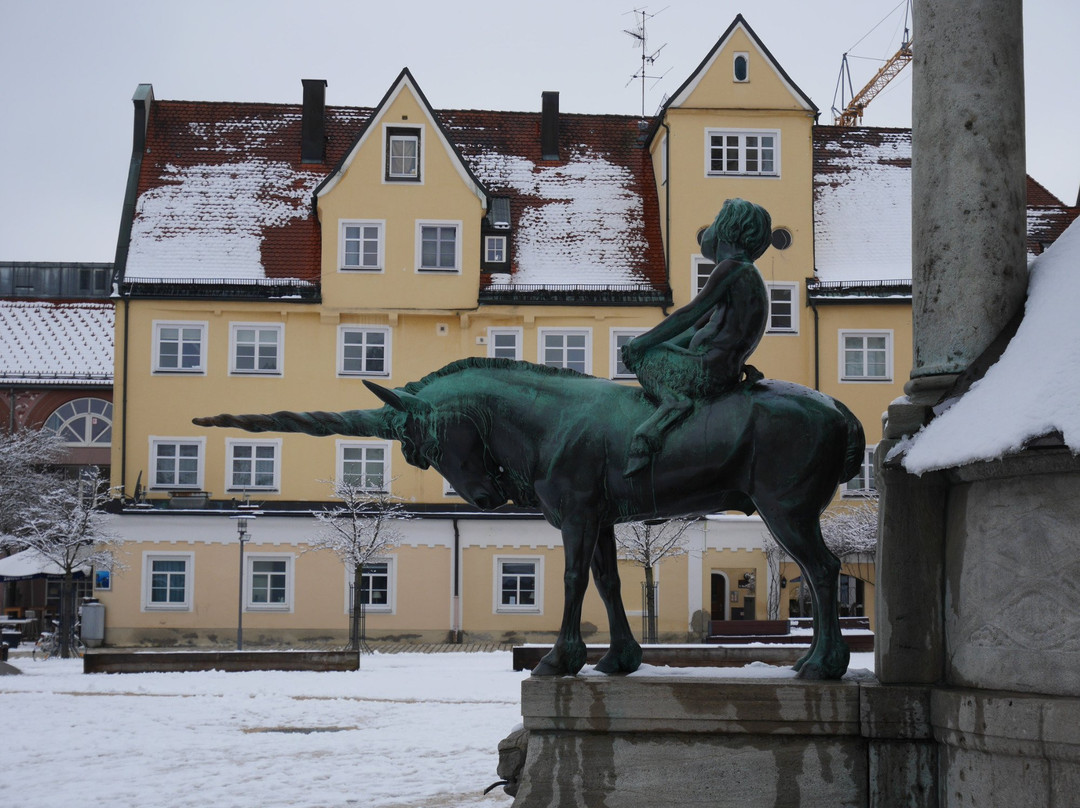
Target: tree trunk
[(650, 605), (66, 627), (354, 618)]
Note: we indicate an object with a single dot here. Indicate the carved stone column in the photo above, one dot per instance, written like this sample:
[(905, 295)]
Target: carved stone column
[(969, 277)]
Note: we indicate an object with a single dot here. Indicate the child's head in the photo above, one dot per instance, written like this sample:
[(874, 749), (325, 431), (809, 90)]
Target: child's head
[(742, 224)]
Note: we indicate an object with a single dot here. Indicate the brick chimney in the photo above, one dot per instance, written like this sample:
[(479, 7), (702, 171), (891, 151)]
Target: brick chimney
[(313, 122), (549, 125)]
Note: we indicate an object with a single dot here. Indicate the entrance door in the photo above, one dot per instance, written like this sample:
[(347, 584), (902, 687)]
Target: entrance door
[(719, 596)]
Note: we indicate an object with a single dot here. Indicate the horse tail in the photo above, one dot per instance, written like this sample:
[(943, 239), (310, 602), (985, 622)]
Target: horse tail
[(856, 444)]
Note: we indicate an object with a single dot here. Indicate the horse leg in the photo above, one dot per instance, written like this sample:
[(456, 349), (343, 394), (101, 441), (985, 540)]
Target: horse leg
[(624, 653), (567, 656), (800, 536)]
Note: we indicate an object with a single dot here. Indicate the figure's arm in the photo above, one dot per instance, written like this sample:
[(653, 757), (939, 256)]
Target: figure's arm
[(688, 317)]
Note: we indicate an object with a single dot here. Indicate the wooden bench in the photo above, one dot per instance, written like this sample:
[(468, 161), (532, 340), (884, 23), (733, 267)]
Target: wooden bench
[(735, 628)]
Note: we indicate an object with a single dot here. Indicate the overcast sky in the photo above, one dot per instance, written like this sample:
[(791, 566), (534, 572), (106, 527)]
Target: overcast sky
[(68, 70)]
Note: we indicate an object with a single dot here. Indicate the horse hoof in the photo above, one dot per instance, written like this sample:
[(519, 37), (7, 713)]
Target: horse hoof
[(561, 662), (626, 661), (544, 669)]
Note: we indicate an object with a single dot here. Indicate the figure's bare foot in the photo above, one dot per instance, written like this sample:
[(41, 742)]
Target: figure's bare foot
[(640, 455)]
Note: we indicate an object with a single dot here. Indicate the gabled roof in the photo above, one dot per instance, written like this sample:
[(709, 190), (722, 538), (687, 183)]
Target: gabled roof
[(43, 342), (739, 23), (404, 81), (862, 206), (223, 194)]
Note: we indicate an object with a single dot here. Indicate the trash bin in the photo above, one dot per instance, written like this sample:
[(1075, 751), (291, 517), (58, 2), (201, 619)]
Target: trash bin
[(93, 622), (10, 637)]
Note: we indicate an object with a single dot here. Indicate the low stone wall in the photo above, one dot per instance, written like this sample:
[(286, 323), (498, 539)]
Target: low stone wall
[(107, 661)]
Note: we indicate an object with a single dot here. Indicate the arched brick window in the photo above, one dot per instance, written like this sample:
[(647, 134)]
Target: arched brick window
[(83, 422)]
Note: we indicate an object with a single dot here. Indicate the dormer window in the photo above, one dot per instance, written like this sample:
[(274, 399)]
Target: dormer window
[(740, 67), (402, 154), (495, 249)]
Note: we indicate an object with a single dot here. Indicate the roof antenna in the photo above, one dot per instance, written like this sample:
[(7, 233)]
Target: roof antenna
[(647, 59)]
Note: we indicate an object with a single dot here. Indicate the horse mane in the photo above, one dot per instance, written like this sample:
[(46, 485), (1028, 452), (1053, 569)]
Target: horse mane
[(484, 363)]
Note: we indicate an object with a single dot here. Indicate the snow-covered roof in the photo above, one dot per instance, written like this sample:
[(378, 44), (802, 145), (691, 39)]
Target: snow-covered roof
[(58, 343), (862, 205), (223, 193), (1033, 389)]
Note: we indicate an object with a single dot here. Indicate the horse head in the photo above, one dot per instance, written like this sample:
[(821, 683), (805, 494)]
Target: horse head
[(451, 441)]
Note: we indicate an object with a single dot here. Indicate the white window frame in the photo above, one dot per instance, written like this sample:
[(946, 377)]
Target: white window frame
[(162, 440), (734, 73), (250, 560), (388, 339), (279, 348), (866, 472), (232, 444), (498, 607), (390, 607), (339, 463), (544, 333), (866, 333), (616, 333), (149, 605), (793, 288), (155, 358), (742, 135), (698, 276), (421, 225), (492, 333), (500, 243), (392, 132), (380, 257)]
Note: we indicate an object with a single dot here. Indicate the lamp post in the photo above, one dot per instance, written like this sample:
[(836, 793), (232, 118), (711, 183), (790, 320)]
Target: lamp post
[(242, 520)]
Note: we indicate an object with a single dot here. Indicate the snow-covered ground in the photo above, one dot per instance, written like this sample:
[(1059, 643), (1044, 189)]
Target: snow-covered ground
[(405, 731)]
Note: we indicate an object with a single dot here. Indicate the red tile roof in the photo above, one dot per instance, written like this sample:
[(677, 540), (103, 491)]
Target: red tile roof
[(223, 192)]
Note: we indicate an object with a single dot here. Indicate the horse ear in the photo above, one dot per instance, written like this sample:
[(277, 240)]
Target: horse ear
[(398, 399)]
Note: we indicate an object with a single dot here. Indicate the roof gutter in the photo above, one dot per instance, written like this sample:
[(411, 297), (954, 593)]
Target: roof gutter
[(667, 204), (143, 101)]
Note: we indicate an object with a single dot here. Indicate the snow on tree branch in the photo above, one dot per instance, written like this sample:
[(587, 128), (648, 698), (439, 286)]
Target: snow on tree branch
[(366, 525), (647, 543), (24, 477), (67, 525), (852, 529)]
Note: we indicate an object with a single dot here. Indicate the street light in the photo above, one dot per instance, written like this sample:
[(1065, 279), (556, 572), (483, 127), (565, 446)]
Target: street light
[(242, 520)]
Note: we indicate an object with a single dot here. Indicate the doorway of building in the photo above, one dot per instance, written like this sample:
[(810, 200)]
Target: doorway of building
[(718, 601)]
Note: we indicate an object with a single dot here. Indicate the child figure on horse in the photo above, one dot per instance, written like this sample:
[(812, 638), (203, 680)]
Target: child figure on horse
[(699, 351)]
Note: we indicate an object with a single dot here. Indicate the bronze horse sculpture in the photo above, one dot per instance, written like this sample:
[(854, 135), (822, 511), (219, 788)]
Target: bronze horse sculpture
[(501, 430)]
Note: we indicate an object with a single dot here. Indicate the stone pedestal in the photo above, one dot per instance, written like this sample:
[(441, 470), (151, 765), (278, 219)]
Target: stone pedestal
[(668, 741)]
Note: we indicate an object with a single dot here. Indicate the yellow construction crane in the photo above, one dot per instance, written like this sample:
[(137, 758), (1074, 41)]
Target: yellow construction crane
[(851, 113)]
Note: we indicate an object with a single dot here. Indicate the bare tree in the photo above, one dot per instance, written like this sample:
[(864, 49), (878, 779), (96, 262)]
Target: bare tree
[(774, 557), (647, 544), (67, 526), (366, 525)]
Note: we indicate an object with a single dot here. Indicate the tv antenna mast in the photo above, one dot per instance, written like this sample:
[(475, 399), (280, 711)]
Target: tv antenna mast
[(641, 40)]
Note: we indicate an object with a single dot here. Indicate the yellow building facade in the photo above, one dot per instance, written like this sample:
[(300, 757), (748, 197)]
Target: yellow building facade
[(276, 257)]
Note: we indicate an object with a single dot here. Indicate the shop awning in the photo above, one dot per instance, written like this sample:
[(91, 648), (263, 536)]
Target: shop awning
[(31, 564)]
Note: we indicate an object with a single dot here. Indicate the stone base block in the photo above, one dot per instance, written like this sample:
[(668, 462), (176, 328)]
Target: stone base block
[(691, 741)]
